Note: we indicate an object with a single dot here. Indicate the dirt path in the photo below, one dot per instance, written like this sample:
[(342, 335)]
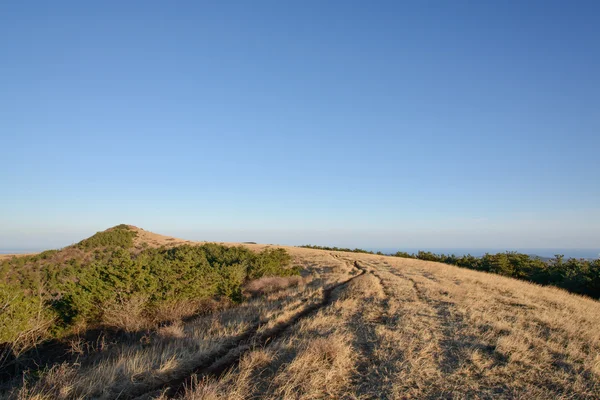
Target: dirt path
[(373, 375), (229, 356)]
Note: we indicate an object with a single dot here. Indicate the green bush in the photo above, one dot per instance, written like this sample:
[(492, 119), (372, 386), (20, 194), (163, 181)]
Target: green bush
[(118, 236), (269, 263), (19, 312), (81, 283)]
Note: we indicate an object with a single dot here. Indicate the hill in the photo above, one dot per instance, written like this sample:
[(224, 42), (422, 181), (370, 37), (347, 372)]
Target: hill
[(352, 325)]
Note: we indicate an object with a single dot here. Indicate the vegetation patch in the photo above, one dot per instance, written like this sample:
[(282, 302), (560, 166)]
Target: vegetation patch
[(102, 281), (118, 236)]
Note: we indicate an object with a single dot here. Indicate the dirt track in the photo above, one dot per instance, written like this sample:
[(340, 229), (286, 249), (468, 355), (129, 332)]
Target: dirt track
[(229, 356)]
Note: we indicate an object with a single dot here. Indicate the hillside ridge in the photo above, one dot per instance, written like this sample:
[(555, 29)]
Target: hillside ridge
[(292, 322)]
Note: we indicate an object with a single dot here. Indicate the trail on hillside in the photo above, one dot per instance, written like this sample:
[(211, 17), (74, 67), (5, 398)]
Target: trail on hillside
[(370, 327), (229, 356), (422, 330)]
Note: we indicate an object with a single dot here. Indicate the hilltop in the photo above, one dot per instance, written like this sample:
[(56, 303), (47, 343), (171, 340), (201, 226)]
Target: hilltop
[(310, 323)]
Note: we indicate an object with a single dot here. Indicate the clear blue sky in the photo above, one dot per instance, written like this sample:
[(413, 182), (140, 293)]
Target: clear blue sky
[(375, 124)]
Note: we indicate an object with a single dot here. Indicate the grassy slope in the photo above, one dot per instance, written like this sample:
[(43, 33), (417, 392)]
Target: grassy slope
[(416, 329), (404, 329)]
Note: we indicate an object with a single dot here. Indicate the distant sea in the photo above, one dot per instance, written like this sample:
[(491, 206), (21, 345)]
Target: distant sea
[(546, 253), (20, 250)]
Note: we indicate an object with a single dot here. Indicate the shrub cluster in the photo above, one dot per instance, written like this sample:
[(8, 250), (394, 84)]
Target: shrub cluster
[(21, 316), (118, 236), (80, 287)]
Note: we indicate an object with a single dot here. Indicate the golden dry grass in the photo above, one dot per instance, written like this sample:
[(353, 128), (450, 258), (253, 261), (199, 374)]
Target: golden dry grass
[(404, 329)]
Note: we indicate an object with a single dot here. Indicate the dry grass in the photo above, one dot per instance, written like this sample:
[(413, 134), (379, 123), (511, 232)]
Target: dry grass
[(179, 310), (270, 284), (315, 360), (126, 315), (170, 351), (415, 329), (405, 329)]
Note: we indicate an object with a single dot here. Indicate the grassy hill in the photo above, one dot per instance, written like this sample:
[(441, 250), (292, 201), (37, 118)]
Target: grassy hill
[(351, 325)]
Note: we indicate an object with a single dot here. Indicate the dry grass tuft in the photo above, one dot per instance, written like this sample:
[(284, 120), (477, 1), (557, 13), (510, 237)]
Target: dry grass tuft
[(57, 383), (175, 330), (184, 309), (234, 386), (270, 284), (322, 368), (127, 315)]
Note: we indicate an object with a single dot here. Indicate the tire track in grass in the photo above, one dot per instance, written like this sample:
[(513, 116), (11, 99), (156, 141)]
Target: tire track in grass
[(229, 356), (372, 378), (448, 323), (455, 344)]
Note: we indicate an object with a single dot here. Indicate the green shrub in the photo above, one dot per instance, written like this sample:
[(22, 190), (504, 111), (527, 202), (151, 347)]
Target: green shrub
[(271, 262), (19, 313), (101, 278), (232, 277), (80, 288), (118, 236)]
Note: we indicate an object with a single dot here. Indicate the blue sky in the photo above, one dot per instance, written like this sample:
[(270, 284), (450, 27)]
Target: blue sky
[(375, 124)]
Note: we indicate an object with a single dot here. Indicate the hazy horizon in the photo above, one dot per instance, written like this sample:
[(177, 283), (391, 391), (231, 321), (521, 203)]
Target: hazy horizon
[(459, 125), (321, 239)]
